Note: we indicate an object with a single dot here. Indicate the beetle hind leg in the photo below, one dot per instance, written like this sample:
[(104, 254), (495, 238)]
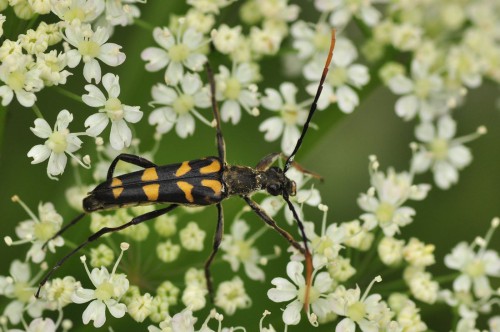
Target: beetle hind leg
[(216, 244), (131, 159)]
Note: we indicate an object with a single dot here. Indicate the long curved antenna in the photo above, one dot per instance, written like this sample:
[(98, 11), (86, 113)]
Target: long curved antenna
[(221, 145), (314, 104), (307, 253)]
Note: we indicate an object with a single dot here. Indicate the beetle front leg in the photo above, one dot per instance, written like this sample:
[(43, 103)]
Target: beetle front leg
[(137, 220), (131, 159), (217, 241)]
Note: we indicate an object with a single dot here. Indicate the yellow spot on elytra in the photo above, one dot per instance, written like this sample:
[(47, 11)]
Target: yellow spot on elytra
[(152, 191), (215, 185), (149, 175), (183, 169), (212, 168), (186, 188), (116, 184)]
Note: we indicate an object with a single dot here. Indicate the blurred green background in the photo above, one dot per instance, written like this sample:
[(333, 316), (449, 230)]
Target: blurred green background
[(339, 151)]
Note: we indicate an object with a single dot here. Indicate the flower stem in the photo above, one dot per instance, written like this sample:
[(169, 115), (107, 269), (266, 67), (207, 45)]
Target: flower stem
[(37, 111), (143, 24), (68, 94)]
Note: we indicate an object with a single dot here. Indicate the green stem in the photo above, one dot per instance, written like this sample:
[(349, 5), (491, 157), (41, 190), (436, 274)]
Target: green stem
[(3, 119), (143, 24), (68, 94), (369, 258), (446, 278), (37, 111)]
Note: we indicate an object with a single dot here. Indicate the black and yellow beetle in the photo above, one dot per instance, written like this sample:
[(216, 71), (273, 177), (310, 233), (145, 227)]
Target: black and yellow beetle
[(205, 181)]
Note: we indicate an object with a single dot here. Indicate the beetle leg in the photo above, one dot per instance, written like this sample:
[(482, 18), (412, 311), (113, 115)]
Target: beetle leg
[(62, 230), (217, 240), (131, 159), (268, 220), (221, 145), (101, 232), (267, 161)]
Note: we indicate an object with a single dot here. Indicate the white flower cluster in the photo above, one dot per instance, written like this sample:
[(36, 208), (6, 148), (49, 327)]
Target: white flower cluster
[(428, 61)]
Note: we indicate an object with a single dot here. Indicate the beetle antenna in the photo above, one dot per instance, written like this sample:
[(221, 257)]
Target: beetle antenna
[(221, 145), (307, 253), (314, 104)]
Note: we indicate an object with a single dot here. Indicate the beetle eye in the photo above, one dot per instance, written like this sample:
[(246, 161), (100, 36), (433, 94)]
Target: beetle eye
[(274, 189)]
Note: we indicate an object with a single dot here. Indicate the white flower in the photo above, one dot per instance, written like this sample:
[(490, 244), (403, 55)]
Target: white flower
[(139, 307), (265, 41), (464, 66), (369, 312), (167, 251), (19, 77), (475, 268), (390, 251), (192, 237), (109, 288), (226, 39), (84, 11), (40, 325), (290, 114), (443, 154), (406, 36), (209, 6), (90, 46), (58, 142), (419, 254), (122, 12), (34, 42), (112, 109), (421, 285), (392, 191), (51, 66), (18, 287), (179, 106), (2, 21), (341, 79), (231, 295), (356, 236), (342, 11), (309, 41), (194, 296), (407, 313), (177, 52), (38, 230), (236, 90), (286, 291), (418, 93), (238, 250), (59, 291)]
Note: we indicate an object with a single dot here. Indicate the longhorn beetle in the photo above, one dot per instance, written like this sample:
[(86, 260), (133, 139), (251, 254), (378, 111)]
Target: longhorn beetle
[(205, 181)]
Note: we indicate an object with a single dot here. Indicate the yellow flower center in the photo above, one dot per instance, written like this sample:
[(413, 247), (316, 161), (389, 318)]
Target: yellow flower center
[(16, 80), (57, 141), (356, 311), (321, 41), (183, 104), (76, 13), (423, 88), (290, 114), (384, 213), (475, 268), (45, 230), (104, 291), (178, 53), (114, 109), (313, 294), (243, 250), (233, 88), (23, 292), (338, 77), (89, 48), (439, 148)]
